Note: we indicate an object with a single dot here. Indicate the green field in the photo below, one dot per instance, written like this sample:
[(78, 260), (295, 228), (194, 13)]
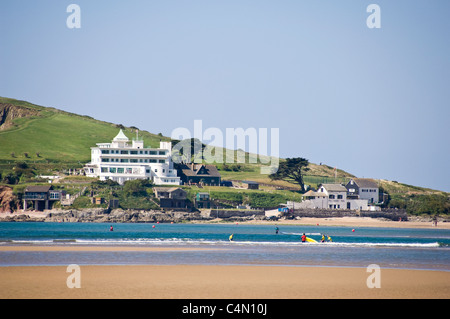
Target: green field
[(56, 136)]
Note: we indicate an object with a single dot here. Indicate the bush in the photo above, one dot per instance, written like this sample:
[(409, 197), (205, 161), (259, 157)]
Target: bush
[(137, 187), (266, 200)]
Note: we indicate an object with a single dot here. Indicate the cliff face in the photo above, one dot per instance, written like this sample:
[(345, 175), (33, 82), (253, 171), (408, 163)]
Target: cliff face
[(7, 200), (9, 112)]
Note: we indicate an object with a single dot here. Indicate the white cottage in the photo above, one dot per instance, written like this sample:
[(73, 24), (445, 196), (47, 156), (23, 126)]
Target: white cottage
[(120, 161), (363, 188), (337, 195)]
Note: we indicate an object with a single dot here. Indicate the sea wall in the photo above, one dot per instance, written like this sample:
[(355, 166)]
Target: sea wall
[(391, 214), (233, 213)]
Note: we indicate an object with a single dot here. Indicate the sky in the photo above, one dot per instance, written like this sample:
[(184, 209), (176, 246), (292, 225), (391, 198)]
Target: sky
[(371, 101)]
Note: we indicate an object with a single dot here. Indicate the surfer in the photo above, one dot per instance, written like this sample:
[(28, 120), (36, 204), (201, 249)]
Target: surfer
[(329, 239), (231, 237), (276, 230), (323, 238), (303, 238), (111, 228)]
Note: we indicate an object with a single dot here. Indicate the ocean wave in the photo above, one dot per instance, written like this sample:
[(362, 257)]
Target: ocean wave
[(190, 241)]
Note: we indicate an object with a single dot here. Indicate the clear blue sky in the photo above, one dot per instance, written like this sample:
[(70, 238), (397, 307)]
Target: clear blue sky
[(374, 102)]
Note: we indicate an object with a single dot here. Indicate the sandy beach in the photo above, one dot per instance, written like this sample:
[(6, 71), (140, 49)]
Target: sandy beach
[(219, 282)]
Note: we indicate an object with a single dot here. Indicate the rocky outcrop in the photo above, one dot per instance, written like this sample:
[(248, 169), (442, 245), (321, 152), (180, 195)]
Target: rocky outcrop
[(7, 200), (9, 112), (100, 215)]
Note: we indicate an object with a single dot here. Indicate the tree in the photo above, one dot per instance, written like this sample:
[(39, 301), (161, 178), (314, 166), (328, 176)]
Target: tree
[(292, 170)]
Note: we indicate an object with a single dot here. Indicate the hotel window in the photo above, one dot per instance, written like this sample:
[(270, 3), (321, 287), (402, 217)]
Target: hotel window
[(105, 151), (152, 161), (123, 152), (153, 153), (105, 160), (133, 152), (124, 160), (129, 170), (339, 196), (161, 161), (120, 170), (145, 152), (133, 160), (112, 169), (331, 197), (104, 169), (162, 152)]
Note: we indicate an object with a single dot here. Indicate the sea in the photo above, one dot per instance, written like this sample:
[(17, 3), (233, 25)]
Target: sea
[(209, 244)]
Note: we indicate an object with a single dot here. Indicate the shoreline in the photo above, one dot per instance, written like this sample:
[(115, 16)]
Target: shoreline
[(303, 221), (220, 282)]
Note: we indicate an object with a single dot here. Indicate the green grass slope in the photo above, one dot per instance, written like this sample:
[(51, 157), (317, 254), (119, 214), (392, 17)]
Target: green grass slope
[(51, 135)]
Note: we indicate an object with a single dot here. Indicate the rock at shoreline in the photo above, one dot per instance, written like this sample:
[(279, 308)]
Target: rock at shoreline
[(100, 215)]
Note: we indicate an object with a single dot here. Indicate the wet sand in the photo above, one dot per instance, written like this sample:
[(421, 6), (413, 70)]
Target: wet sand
[(219, 282)]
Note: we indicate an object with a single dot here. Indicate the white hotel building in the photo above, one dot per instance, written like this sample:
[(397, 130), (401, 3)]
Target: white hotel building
[(120, 162)]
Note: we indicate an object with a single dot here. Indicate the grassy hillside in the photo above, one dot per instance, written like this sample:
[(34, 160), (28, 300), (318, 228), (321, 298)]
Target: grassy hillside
[(51, 135), (50, 140)]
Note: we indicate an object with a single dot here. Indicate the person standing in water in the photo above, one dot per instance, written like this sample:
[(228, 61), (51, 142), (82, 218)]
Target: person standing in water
[(231, 237)]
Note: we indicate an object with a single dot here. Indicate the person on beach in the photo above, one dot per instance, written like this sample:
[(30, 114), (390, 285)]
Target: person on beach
[(303, 238)]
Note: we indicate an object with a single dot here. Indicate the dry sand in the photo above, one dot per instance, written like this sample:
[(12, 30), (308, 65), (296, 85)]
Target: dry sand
[(219, 282)]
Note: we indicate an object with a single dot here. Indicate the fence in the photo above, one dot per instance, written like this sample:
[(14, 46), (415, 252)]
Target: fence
[(316, 179)]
